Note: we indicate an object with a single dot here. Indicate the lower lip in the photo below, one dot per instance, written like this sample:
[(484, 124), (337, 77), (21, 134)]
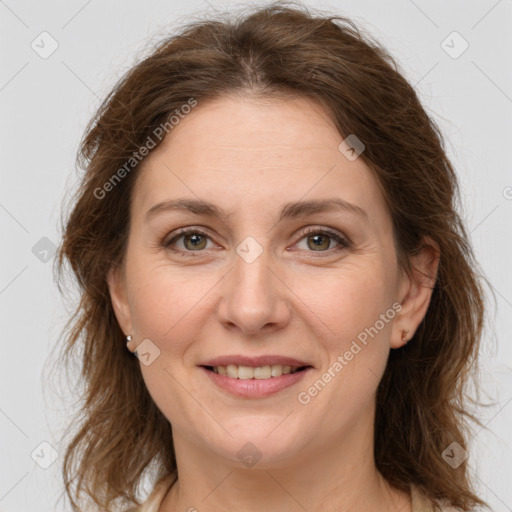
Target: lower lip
[(255, 388)]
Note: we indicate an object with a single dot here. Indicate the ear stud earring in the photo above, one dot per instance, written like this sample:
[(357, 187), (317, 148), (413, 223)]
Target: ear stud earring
[(128, 342), (404, 335)]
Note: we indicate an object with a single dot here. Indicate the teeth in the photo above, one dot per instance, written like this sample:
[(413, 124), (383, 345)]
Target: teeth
[(260, 372)]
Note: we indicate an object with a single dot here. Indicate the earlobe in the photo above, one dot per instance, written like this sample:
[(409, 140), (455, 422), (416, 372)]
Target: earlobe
[(119, 299), (416, 292)]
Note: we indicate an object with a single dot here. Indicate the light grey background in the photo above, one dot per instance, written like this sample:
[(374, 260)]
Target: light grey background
[(45, 104)]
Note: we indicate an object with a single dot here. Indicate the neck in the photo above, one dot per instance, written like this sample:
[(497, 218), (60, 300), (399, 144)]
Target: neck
[(340, 478)]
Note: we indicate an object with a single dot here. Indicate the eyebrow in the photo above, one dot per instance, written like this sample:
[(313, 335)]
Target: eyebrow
[(288, 211)]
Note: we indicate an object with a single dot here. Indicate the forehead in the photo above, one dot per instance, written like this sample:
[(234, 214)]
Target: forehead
[(243, 153)]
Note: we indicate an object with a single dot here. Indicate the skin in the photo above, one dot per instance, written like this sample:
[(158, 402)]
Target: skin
[(250, 157)]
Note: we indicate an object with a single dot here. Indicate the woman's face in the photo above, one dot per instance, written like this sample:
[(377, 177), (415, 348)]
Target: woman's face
[(251, 281)]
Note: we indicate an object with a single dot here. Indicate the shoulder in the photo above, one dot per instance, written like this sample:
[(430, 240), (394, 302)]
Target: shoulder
[(154, 500), (420, 503)]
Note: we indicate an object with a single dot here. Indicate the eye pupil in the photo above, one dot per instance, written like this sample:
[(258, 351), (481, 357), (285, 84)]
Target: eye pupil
[(321, 237), (196, 242)]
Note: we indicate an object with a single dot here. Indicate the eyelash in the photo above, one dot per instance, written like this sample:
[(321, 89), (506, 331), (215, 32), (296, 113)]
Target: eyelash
[(343, 242)]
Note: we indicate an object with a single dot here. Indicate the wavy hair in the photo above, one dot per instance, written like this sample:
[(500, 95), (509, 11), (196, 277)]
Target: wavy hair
[(275, 50)]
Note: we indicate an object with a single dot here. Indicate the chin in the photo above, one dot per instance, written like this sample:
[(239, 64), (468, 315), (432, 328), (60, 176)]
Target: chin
[(258, 446)]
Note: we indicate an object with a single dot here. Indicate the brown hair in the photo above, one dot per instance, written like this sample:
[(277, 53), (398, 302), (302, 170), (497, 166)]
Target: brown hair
[(278, 49)]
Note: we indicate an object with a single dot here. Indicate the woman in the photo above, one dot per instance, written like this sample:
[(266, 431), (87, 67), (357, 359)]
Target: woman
[(280, 307)]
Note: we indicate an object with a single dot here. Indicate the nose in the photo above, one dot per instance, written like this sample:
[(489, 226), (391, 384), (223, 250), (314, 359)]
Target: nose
[(254, 297)]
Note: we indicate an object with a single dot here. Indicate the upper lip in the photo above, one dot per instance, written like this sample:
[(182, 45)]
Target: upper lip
[(254, 361)]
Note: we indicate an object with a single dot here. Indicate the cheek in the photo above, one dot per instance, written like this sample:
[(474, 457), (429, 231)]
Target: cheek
[(168, 308), (165, 302), (355, 312), (346, 301), (352, 315), (355, 345)]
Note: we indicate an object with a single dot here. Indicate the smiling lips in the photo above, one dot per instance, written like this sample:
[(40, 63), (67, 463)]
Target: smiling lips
[(259, 372), (260, 367), (254, 377)]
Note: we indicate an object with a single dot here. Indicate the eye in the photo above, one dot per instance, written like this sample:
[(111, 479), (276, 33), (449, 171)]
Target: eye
[(320, 240), (194, 240)]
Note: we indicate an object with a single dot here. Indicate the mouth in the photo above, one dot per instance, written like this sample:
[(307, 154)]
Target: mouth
[(255, 372), (255, 382)]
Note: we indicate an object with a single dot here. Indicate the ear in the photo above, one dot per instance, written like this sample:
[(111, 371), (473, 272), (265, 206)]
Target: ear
[(117, 288), (416, 289)]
